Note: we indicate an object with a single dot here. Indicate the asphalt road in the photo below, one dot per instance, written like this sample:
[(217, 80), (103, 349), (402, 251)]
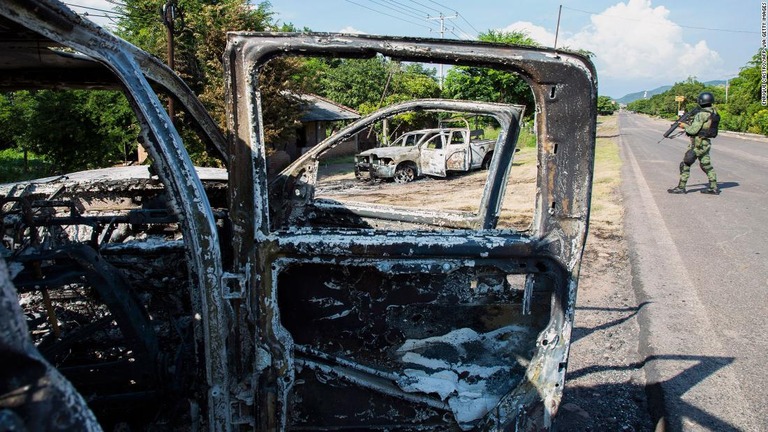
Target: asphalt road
[(701, 264)]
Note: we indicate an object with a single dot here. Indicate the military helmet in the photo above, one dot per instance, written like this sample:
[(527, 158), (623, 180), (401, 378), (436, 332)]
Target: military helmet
[(705, 99)]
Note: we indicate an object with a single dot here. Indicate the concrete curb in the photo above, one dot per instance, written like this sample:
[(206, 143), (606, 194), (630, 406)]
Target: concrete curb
[(745, 135)]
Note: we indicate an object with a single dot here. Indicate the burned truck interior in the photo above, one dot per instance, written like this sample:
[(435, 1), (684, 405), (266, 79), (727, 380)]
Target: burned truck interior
[(187, 297)]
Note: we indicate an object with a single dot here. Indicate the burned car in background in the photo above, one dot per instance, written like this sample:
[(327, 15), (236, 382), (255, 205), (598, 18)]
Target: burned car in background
[(221, 300), (434, 152)]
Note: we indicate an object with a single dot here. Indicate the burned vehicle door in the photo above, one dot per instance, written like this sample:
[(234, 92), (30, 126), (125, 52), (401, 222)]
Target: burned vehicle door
[(446, 324), (458, 156), (432, 154), (138, 343)]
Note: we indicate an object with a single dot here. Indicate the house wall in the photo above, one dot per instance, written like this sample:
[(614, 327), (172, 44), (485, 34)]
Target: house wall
[(346, 148), (314, 133)]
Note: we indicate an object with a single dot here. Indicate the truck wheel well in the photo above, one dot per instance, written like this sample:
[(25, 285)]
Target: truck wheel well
[(487, 160), (405, 172)]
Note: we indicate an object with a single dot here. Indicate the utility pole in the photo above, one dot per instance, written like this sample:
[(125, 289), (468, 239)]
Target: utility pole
[(557, 29), (169, 14), (728, 79), (442, 19)]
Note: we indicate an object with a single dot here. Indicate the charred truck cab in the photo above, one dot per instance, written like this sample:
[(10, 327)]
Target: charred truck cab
[(288, 311)]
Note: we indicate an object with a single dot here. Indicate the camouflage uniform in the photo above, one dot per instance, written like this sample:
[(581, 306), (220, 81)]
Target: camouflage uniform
[(700, 147)]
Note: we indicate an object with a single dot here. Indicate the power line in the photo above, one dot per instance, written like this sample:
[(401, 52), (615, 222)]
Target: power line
[(399, 8), (94, 9), (400, 11), (389, 15), (92, 15), (682, 26), (466, 35), (426, 7), (442, 6), (425, 12), (442, 19), (461, 30), (446, 8), (421, 10), (465, 20), (463, 35)]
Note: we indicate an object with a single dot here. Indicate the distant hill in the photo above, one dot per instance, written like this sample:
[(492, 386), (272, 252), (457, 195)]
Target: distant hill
[(648, 93), (642, 94)]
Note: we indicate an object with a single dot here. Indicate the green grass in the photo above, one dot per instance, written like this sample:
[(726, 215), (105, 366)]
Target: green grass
[(13, 169), (491, 133), (337, 160), (526, 139)]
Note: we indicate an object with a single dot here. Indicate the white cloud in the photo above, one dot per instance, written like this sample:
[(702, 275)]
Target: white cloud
[(351, 30), (537, 33), (634, 40)]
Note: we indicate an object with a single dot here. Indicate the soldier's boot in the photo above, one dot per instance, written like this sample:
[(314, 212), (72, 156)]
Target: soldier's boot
[(712, 189), (679, 189)]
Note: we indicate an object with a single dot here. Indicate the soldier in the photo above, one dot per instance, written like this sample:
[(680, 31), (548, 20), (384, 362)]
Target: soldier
[(700, 131)]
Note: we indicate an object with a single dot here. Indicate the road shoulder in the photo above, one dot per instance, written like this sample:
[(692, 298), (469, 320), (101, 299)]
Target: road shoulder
[(605, 385)]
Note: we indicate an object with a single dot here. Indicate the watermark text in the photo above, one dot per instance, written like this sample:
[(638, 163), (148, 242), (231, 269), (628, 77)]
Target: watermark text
[(764, 53)]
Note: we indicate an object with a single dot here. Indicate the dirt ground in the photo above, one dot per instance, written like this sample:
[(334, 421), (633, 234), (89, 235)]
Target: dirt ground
[(605, 382)]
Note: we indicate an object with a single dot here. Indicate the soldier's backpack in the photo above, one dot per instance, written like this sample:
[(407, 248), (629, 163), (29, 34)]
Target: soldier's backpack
[(714, 123)]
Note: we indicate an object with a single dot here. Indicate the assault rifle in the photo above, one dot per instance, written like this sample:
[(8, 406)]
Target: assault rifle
[(685, 118)]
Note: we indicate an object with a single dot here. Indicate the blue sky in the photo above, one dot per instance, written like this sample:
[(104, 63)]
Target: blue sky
[(638, 44)]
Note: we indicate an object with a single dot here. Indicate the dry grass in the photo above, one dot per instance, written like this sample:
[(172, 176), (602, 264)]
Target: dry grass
[(607, 209)]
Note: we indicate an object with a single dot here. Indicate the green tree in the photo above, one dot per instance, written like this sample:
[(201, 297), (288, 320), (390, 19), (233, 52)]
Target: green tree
[(605, 105), (74, 129), (15, 111), (200, 41), (356, 83), (665, 104), (477, 83), (743, 110), (367, 85)]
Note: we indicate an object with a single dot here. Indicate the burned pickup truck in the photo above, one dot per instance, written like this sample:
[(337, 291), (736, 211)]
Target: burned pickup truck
[(433, 152), (180, 298)]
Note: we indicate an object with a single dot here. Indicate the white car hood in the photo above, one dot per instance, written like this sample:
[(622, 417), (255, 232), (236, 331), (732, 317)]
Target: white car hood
[(389, 152)]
